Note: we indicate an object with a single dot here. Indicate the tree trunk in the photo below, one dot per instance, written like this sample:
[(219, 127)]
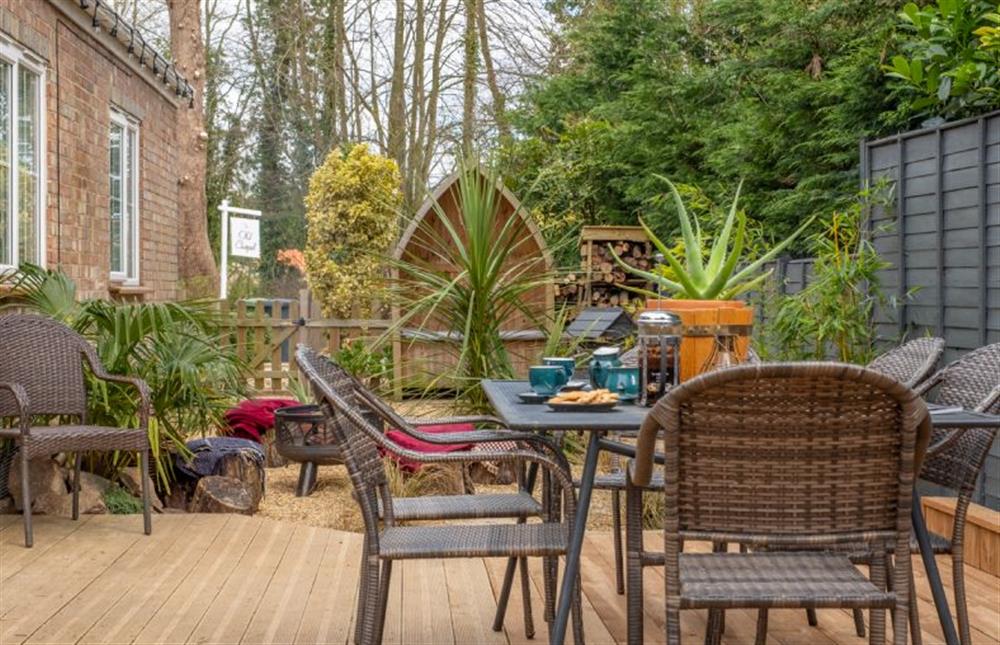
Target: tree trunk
[(397, 100), (499, 101), (198, 271), (469, 80)]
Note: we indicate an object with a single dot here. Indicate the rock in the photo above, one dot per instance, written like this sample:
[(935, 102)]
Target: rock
[(52, 503), (177, 500), (44, 477), (7, 506), (216, 494), (92, 489), (245, 468), (129, 478)]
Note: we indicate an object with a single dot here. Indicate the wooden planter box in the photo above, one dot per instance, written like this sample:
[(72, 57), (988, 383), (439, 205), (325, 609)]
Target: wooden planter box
[(982, 531), (699, 315)]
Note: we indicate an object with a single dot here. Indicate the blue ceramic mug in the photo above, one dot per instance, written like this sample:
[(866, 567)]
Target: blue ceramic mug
[(568, 364), (624, 381), (547, 379)]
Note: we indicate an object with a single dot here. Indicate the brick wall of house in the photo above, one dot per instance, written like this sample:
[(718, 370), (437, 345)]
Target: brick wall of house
[(85, 80)]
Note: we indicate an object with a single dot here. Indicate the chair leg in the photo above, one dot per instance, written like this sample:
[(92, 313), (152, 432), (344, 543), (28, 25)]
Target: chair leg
[(901, 613), (633, 551), (761, 637), (147, 520), (29, 538), (876, 617), (361, 614), (307, 479), (616, 527), (961, 605), (673, 625), (368, 625), (811, 617), (504, 597), (529, 621), (576, 609), (76, 485), (916, 636), (859, 622), (715, 626), (383, 598)]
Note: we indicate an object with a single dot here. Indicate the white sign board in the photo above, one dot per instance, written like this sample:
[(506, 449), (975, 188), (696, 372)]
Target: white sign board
[(244, 237)]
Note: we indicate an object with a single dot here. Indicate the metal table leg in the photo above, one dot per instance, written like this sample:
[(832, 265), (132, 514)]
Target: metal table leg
[(933, 575), (558, 633)]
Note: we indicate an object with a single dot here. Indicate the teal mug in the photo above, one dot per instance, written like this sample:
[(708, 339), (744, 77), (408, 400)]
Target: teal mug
[(568, 364), (547, 379), (624, 381)]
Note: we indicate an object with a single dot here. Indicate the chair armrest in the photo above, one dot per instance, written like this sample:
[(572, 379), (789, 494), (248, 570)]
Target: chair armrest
[(540, 442), (928, 385), (139, 385), (474, 419), (21, 403), (990, 401)]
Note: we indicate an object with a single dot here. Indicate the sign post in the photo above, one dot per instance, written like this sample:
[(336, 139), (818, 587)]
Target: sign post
[(242, 241)]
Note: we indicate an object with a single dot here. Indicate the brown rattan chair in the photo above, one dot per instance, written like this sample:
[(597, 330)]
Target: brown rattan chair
[(42, 374), (764, 455), (386, 541)]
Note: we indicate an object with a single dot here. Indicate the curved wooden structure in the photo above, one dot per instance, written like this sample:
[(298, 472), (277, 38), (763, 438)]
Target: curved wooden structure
[(424, 351)]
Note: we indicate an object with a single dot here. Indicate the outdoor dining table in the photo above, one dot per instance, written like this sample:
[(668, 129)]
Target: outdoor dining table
[(517, 415)]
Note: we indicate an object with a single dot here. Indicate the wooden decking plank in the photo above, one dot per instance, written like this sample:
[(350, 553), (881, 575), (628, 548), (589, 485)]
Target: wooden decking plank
[(8, 520), (470, 597), (34, 594), (280, 609), (117, 581), (128, 616), (180, 613), (228, 614), (426, 618), (49, 531), (329, 610)]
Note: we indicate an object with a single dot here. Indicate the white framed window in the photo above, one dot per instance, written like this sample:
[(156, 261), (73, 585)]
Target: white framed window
[(123, 204), (22, 160)]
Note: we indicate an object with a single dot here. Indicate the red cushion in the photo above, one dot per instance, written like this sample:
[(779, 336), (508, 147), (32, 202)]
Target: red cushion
[(408, 442)]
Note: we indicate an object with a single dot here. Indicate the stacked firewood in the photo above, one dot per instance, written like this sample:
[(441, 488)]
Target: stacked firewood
[(608, 278)]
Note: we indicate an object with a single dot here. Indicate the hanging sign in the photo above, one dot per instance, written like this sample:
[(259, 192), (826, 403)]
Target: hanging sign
[(244, 237)]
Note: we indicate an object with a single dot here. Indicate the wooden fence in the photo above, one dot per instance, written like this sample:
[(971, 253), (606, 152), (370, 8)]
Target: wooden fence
[(266, 332)]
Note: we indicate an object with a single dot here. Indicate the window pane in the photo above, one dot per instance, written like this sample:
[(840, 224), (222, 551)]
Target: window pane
[(115, 202), (27, 163), (5, 141), (130, 219)]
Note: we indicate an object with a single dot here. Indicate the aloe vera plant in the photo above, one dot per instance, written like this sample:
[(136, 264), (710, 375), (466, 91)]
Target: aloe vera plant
[(720, 277)]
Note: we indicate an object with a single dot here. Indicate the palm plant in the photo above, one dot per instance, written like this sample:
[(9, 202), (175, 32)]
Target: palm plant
[(469, 276), (720, 278), (177, 348)]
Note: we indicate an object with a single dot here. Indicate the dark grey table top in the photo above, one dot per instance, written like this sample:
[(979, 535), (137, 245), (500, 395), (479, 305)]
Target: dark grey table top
[(538, 416), (628, 417)]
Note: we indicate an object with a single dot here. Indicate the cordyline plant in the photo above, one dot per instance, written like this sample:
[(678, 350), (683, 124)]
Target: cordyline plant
[(720, 278)]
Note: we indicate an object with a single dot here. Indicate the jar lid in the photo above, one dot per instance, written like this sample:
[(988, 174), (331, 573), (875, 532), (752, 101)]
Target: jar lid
[(606, 351), (658, 322)]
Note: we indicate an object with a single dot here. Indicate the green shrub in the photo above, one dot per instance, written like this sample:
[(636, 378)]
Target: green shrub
[(352, 212), (121, 502)]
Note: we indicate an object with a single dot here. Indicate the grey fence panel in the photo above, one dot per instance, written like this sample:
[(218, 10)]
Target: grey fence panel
[(942, 237)]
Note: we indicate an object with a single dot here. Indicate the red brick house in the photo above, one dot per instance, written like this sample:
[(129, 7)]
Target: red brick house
[(88, 149)]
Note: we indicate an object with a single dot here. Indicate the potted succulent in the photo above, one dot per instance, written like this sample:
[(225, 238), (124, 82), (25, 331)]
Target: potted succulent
[(705, 283)]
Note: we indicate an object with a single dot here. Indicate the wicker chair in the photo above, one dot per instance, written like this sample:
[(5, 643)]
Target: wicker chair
[(761, 455), (360, 441), (955, 459), (42, 374), (912, 362)]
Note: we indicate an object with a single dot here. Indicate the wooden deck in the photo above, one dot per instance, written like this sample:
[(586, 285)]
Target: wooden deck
[(234, 579)]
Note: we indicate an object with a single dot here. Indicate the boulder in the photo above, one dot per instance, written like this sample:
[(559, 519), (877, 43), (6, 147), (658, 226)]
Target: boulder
[(129, 478), (215, 494), (244, 467), (44, 478), (52, 503), (7, 506), (177, 499), (92, 489)]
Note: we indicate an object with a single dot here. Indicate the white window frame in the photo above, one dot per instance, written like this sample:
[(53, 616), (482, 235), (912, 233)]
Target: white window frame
[(16, 57), (130, 182)]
